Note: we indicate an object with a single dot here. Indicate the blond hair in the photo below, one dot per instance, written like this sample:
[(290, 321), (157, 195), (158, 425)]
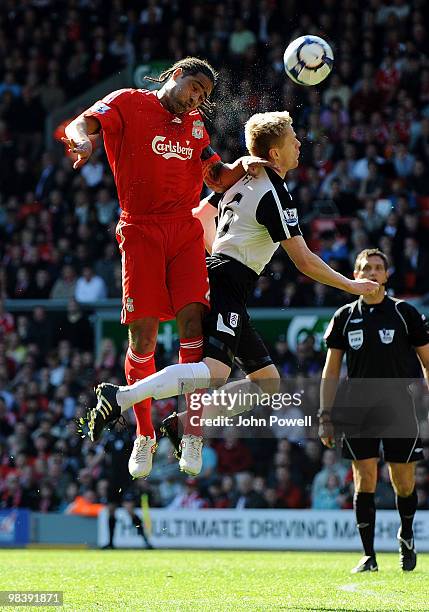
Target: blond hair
[(264, 130)]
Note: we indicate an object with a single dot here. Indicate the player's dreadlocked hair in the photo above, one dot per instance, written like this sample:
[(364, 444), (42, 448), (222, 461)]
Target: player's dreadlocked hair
[(191, 65)]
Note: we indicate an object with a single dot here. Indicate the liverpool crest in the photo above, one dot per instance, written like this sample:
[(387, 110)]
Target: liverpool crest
[(198, 129)]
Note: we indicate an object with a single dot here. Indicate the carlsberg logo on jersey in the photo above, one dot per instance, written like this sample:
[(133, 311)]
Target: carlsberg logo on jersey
[(169, 149)]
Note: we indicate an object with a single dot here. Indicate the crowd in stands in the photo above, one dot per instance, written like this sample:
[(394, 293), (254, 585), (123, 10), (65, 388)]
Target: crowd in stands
[(362, 181), (47, 372)]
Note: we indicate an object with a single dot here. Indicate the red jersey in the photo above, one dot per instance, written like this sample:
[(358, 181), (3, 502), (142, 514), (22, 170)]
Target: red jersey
[(155, 156)]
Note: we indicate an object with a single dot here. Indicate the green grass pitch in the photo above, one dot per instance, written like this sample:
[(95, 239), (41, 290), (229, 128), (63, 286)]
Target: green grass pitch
[(214, 580)]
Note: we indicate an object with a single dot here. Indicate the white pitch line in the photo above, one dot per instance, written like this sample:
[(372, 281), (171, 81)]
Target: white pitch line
[(355, 587)]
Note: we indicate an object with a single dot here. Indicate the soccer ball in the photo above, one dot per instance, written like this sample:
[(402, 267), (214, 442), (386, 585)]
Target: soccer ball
[(308, 60)]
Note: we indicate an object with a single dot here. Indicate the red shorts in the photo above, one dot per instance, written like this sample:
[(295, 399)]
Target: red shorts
[(163, 266)]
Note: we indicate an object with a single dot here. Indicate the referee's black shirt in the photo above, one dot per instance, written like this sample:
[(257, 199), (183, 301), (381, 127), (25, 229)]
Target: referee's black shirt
[(378, 339)]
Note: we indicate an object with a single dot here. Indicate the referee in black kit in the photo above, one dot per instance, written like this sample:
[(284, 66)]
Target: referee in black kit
[(380, 336)]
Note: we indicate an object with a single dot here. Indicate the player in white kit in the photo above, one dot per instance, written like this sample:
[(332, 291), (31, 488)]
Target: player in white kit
[(256, 215)]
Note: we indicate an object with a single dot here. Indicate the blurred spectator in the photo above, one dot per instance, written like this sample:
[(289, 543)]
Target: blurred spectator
[(190, 498), (330, 466), (422, 486), (46, 501), (403, 161), (85, 504), (64, 287), (289, 495), (328, 496), (233, 455), (414, 267), (40, 330), (93, 171), (332, 247), (89, 287), (247, 497), (106, 206), (208, 470), (12, 494), (384, 494), (107, 357), (76, 327), (241, 38), (6, 320)]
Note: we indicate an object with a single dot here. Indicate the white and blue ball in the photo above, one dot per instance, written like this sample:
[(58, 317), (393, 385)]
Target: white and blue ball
[(308, 60)]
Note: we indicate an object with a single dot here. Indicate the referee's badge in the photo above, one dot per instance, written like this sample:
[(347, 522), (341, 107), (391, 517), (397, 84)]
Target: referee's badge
[(355, 339), (386, 335)]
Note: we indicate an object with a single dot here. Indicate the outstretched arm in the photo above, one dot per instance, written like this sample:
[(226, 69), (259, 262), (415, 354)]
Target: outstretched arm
[(219, 176), (311, 265), (78, 140)]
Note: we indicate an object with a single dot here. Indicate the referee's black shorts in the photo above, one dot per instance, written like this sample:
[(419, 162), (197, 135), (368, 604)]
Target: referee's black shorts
[(228, 333), (368, 412), (395, 450)]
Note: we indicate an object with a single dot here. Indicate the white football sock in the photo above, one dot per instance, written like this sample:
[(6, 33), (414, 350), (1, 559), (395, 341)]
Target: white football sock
[(173, 380)]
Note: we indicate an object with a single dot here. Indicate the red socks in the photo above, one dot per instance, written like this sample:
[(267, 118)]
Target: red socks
[(139, 366), (191, 351)]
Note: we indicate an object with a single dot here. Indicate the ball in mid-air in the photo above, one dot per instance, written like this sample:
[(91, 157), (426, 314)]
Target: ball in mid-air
[(308, 60)]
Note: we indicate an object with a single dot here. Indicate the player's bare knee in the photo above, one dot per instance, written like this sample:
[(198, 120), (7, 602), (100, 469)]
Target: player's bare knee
[(219, 372), (403, 488), (365, 475), (190, 321), (267, 379), (142, 336), (402, 478), (191, 329)]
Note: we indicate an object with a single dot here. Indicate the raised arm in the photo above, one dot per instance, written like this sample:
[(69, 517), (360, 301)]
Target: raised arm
[(78, 140), (311, 265)]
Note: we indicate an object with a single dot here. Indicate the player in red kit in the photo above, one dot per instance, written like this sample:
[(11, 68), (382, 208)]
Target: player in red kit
[(159, 153)]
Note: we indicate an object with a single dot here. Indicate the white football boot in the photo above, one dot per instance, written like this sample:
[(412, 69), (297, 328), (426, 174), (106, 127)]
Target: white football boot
[(140, 462), (191, 459)]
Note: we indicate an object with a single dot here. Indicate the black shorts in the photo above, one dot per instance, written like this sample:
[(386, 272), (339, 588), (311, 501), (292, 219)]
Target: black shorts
[(375, 409), (395, 450), (228, 333)]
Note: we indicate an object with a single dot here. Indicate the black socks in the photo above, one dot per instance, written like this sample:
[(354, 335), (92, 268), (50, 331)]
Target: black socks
[(407, 507), (364, 507)]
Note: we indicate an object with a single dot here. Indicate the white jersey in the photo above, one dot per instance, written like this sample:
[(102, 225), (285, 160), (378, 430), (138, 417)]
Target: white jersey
[(255, 215)]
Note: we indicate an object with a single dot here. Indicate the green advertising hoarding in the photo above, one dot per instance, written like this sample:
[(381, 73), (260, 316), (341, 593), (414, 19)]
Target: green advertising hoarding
[(272, 323)]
